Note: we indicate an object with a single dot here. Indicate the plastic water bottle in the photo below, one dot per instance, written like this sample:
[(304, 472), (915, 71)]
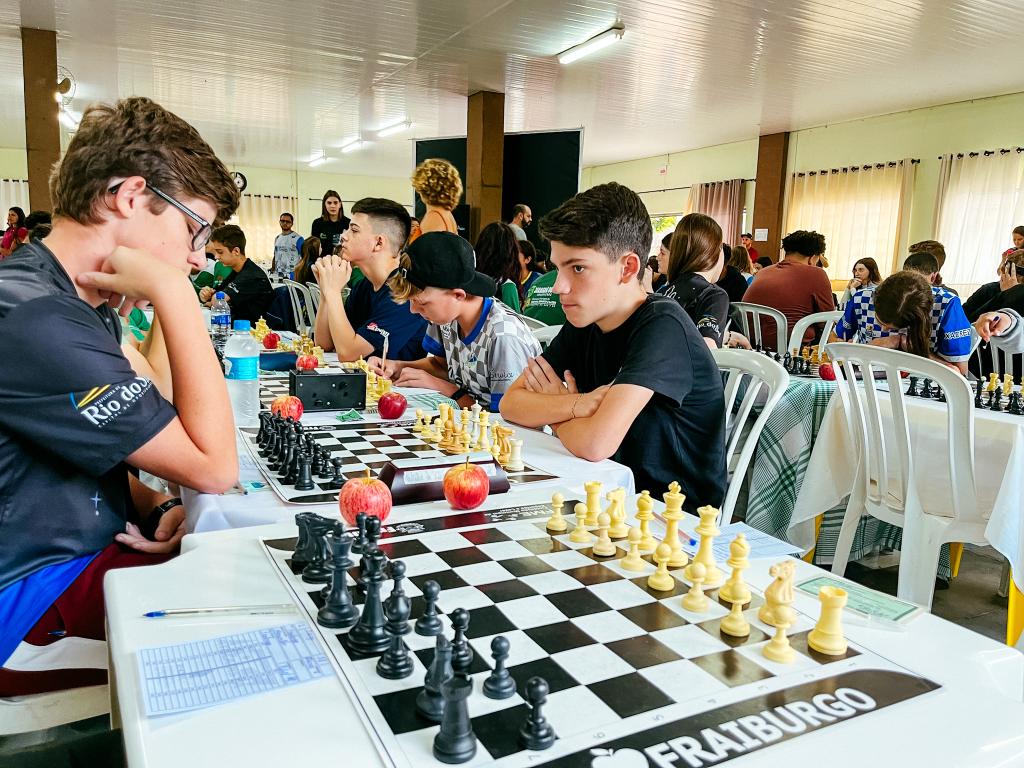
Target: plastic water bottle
[(220, 320), (242, 369)]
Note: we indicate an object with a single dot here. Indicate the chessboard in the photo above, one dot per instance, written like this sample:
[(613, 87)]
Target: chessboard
[(994, 395), (361, 447), (273, 386), (626, 670)]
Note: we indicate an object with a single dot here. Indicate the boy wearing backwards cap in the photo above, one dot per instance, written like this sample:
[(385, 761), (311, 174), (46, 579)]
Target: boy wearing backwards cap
[(476, 346)]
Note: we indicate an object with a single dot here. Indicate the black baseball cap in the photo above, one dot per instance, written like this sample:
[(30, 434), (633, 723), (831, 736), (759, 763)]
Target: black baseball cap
[(445, 260)]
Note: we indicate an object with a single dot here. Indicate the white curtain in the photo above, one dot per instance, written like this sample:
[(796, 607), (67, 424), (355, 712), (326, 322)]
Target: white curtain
[(980, 200), (863, 211), (723, 202), (258, 216), (14, 192)]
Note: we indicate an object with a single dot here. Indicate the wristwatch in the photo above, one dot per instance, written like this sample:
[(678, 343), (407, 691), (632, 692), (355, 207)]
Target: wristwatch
[(458, 394), (159, 509), (148, 528)]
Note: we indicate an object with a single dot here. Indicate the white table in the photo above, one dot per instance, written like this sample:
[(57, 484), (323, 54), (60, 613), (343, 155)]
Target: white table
[(210, 512), (999, 472), (316, 723)]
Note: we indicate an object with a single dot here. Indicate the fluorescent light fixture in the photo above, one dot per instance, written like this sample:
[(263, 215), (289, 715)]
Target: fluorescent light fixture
[(352, 146), (318, 160), (391, 130), (595, 43)]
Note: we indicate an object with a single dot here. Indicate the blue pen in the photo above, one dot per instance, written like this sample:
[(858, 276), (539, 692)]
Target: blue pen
[(249, 610)]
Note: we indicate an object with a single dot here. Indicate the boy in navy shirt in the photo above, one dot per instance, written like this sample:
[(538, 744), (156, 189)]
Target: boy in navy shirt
[(360, 326), (134, 199)]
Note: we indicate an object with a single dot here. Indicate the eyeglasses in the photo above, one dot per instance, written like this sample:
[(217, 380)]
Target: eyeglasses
[(201, 236)]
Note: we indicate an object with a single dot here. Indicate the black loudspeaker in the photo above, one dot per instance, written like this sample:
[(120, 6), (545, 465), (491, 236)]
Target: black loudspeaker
[(332, 391)]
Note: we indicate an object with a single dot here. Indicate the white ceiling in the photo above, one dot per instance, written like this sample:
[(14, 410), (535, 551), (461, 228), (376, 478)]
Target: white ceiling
[(272, 83)]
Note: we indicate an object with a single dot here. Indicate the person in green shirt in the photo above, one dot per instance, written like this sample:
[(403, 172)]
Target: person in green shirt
[(497, 256), (212, 276), (542, 303)]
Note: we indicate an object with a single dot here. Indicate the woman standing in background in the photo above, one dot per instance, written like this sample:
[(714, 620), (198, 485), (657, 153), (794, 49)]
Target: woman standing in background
[(327, 228), (439, 186)]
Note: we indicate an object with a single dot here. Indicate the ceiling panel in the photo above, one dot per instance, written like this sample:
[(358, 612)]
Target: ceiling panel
[(272, 85)]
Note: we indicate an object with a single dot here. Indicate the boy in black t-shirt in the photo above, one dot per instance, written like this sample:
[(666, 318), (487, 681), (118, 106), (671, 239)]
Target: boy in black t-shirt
[(628, 377), (133, 199), (247, 289)]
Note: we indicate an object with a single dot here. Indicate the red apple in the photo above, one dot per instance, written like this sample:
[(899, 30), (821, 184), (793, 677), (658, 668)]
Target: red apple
[(306, 362), (826, 372), (391, 405), (466, 486), (287, 405), (271, 340), (364, 494)]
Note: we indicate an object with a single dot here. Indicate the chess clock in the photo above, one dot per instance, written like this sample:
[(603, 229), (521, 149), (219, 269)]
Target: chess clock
[(240, 181)]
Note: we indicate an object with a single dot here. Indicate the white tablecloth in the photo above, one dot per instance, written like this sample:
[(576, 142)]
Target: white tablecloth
[(999, 472)]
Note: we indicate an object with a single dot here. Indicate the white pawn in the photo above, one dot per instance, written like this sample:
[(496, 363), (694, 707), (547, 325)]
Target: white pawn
[(580, 534), (603, 547), (695, 600), (556, 522), (661, 580), (418, 426), (633, 561)]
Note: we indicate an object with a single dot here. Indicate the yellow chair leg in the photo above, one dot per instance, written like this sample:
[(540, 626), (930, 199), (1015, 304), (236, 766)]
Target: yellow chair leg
[(956, 551), (1014, 614), (809, 557)]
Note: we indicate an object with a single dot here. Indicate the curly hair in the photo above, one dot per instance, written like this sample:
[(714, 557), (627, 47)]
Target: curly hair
[(438, 183), (905, 300), (497, 253), (804, 243), (137, 137)]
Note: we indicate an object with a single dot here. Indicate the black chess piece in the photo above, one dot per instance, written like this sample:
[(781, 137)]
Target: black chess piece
[(372, 531), (978, 403), (455, 742), (261, 433), (429, 702), (304, 545), (1014, 408), (462, 652), (940, 394), (270, 452), (396, 663), (499, 684), (286, 460), (304, 481), (396, 600), (316, 464), (926, 388), (787, 362), (337, 479), (912, 389), (997, 400), (360, 542), (317, 571), (429, 624), (324, 473), (338, 612), (368, 636), (536, 733)]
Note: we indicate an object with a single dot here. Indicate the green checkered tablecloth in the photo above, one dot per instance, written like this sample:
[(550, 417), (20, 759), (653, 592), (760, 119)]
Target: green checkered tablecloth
[(777, 474)]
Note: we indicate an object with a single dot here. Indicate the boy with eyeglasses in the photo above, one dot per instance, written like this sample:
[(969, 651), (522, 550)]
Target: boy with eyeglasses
[(133, 197)]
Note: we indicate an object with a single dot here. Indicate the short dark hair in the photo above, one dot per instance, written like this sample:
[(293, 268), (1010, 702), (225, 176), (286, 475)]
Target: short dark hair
[(610, 218), (389, 218), (923, 262), (36, 218), (530, 252), (804, 242), (1018, 231), (285, 213), (137, 137), (747, 234), (934, 247), (696, 245), (230, 236), (519, 208), (765, 261)]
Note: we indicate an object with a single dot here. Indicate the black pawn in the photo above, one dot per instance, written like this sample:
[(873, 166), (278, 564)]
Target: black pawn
[(429, 624), (978, 403), (926, 388), (304, 481), (536, 733), (398, 606), (396, 664), (1014, 408), (324, 472), (372, 531), (316, 571), (462, 653), (360, 541), (286, 460), (368, 637), (429, 702), (997, 400), (338, 612), (499, 684), (912, 389), (316, 466), (270, 452), (455, 742), (337, 479)]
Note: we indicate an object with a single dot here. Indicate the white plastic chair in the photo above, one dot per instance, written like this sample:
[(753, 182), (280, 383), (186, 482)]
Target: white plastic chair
[(885, 485), (301, 306), (828, 319), (1003, 361), (532, 323), (749, 378), (751, 316), (23, 714), (546, 334), (314, 295)]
